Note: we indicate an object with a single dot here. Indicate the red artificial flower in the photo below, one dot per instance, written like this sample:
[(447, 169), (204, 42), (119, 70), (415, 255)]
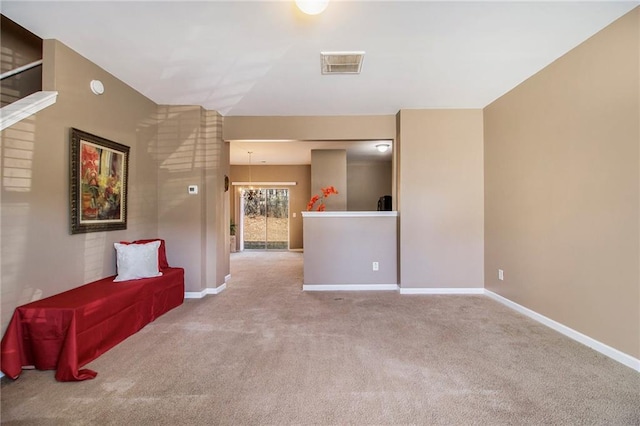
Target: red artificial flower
[(326, 191), (313, 200), (89, 159)]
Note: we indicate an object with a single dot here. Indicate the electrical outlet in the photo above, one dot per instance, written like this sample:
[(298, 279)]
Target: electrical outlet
[(376, 266), (500, 274)]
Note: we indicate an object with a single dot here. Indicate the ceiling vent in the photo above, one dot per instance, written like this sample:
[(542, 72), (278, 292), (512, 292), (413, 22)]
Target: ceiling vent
[(341, 62)]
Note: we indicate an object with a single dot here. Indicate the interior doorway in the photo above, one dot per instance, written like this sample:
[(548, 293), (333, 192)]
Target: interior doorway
[(264, 219)]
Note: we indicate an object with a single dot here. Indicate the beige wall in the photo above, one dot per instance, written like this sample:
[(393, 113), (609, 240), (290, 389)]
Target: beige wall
[(329, 168), (366, 183), (340, 248), (311, 128), (441, 198), (191, 152), (562, 189), (39, 257), (299, 194)]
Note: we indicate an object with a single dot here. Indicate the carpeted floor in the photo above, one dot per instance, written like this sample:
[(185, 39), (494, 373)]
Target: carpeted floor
[(264, 352)]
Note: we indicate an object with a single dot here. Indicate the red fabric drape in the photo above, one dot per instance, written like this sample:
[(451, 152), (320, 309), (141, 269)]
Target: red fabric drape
[(66, 331)]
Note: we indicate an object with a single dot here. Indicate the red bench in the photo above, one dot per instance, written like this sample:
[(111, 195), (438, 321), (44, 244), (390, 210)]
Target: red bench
[(66, 331)]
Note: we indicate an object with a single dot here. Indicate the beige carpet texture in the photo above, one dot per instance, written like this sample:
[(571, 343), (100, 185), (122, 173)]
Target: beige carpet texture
[(263, 352)]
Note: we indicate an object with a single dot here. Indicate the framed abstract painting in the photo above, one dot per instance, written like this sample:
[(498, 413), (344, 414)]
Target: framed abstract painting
[(98, 183)]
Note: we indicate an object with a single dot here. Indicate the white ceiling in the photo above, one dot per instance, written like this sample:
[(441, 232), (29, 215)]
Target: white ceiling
[(263, 57)]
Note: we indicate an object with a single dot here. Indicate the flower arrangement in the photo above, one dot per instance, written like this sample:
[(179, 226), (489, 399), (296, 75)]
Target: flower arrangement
[(326, 192), (101, 186)]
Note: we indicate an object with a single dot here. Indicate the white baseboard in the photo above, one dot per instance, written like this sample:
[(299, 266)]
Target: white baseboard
[(472, 290), (604, 349), (203, 293), (350, 287), (195, 294), (227, 278), (217, 290), (297, 250)]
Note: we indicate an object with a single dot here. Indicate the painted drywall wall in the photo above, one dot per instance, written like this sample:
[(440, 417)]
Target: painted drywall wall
[(299, 194), (329, 168), (311, 127), (39, 256), (223, 267), (562, 189), (191, 152), (367, 238), (366, 183), (441, 198)]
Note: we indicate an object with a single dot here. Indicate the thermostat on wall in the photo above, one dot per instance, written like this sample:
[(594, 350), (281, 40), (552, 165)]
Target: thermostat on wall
[(193, 189)]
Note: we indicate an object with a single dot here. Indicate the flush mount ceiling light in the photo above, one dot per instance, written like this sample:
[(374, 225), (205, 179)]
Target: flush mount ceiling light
[(341, 62), (250, 194), (312, 7), (383, 147)]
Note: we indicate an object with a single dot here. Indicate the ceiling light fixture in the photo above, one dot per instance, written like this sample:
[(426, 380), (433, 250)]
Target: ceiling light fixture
[(251, 193), (383, 147), (312, 7)]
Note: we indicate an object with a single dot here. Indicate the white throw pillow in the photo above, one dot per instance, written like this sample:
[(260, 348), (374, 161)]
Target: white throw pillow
[(135, 261)]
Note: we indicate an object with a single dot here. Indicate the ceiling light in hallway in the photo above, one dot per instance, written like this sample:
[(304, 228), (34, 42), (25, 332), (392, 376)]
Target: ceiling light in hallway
[(383, 147)]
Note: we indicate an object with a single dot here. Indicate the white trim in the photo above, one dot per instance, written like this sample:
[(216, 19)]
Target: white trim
[(351, 214), (227, 278), (264, 183), (604, 349), (297, 250), (350, 287), (216, 290), (195, 294), (472, 290), (25, 107), (203, 293)]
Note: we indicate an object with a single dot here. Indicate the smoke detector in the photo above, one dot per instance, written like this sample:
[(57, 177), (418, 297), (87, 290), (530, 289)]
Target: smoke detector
[(341, 62)]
